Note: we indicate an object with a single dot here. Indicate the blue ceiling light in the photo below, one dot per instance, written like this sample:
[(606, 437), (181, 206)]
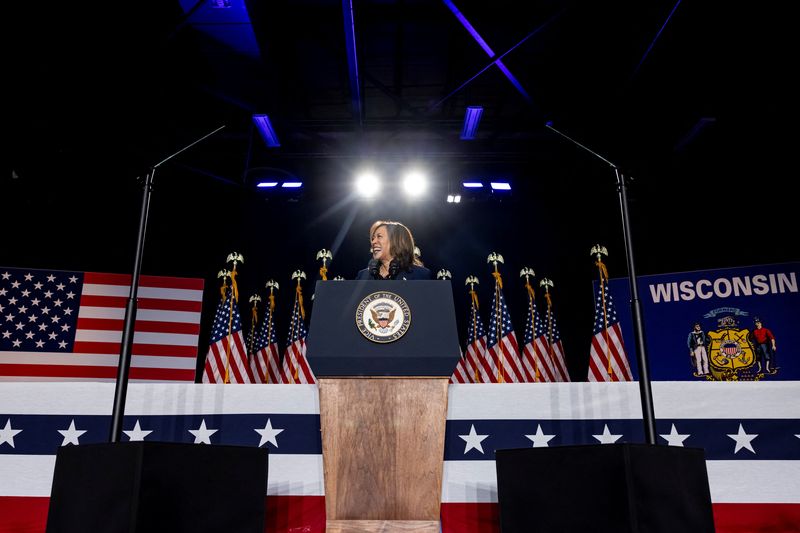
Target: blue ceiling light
[(266, 184), (266, 130), (500, 186), (472, 119), (472, 184), (292, 184)]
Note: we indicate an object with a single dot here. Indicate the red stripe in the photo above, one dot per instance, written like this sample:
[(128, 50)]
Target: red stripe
[(163, 282), (284, 514), (295, 514), (26, 514), (95, 372), (470, 518), (160, 304), (110, 324), (756, 517), (163, 350)]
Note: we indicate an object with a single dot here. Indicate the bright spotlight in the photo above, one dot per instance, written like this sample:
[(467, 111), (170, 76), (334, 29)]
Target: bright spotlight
[(367, 184), (450, 198), (457, 199), (415, 183)]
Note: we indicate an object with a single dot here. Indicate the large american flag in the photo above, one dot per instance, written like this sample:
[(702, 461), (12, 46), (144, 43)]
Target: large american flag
[(607, 358), (266, 357), (227, 355), (59, 325), (473, 367), (750, 432), (502, 342), (36, 419), (548, 344), (295, 365)]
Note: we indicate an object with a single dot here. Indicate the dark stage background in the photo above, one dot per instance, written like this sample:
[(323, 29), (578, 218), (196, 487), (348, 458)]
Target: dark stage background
[(692, 101)]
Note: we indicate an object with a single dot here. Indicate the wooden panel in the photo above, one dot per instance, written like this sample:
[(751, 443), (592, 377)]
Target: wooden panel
[(382, 526), (383, 443)]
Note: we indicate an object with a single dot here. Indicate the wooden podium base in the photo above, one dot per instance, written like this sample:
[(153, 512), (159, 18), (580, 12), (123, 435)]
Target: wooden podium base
[(382, 526), (382, 444)]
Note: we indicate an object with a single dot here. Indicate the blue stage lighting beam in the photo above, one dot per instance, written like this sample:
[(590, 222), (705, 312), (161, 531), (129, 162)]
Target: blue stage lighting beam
[(266, 130), (658, 34), (472, 119)]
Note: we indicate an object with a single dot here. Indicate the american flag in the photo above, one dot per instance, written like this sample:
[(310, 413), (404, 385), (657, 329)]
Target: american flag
[(227, 355), (550, 347), (607, 358), (538, 364), (295, 365), (59, 325), (749, 432), (266, 357), (503, 350), (36, 419)]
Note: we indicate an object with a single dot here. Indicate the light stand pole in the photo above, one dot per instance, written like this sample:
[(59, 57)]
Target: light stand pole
[(124, 364), (645, 390)]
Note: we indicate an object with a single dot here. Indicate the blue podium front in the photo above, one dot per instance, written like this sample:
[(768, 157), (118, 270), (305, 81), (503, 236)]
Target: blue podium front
[(383, 328)]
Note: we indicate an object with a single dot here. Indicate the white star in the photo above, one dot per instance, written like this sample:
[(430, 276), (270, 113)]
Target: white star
[(51, 278), (52, 336), (46, 310), (48, 294), (743, 440), (202, 435), (39, 344), (6, 334), (16, 284), (35, 301), (67, 311), (29, 335), (28, 277), (7, 434), (62, 344), (32, 318), (37, 285), (6, 275), (268, 434), (16, 343), (55, 318), (473, 440), (137, 433), (20, 325), (70, 295), (23, 309), (606, 437), (12, 301), (673, 438), (3, 292), (26, 293), (73, 279), (60, 286), (58, 303), (65, 327), (9, 317), (539, 439), (71, 434), (42, 327)]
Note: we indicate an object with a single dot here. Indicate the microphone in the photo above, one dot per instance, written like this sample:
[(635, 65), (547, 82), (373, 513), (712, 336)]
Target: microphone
[(373, 267), (394, 266)]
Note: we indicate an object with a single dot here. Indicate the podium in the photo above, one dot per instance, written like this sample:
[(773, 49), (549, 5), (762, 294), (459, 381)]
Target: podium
[(604, 488), (383, 405)]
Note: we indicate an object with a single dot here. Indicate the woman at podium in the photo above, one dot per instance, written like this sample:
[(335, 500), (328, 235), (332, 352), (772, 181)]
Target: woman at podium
[(392, 247)]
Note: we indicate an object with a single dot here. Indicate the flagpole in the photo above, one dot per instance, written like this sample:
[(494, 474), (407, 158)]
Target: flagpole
[(124, 365), (645, 389)]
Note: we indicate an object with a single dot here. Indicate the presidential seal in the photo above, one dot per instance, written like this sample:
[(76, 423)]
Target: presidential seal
[(383, 317)]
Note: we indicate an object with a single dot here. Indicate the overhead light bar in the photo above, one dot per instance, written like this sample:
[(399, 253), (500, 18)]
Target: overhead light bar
[(266, 184), (266, 130), (472, 184), (472, 118), (292, 184), (500, 186)]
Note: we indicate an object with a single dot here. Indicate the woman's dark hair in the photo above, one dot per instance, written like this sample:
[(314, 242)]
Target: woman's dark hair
[(401, 242)]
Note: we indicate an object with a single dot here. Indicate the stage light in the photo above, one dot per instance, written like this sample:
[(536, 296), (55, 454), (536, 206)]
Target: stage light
[(292, 184), (415, 183), (457, 199), (450, 198), (472, 184), (266, 184), (266, 130), (367, 184), (472, 117), (500, 186)]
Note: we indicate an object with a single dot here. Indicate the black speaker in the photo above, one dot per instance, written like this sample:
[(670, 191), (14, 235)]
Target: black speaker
[(619, 488), (138, 487)]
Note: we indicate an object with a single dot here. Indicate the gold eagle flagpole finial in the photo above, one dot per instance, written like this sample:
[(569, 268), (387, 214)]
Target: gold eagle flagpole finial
[(235, 258), (338, 278), (444, 274), (300, 275), (326, 256)]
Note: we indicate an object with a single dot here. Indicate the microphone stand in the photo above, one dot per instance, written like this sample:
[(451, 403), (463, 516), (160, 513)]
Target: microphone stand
[(645, 390), (124, 364)]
